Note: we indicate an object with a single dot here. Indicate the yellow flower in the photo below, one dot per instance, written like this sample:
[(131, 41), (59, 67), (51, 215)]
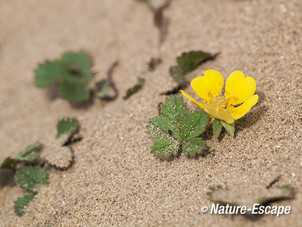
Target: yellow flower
[(237, 100)]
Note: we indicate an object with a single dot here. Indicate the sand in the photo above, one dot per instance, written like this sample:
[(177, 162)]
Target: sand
[(115, 179)]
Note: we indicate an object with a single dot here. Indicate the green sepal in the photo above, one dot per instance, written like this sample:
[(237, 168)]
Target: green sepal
[(217, 127), (229, 127)]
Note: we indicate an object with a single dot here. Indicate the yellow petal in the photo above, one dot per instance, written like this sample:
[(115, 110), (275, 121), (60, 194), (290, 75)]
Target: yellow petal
[(240, 111), (190, 97), (239, 88), (209, 85), (222, 115)]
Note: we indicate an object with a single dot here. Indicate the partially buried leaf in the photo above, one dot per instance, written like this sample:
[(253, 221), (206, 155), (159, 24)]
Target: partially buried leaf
[(105, 91), (30, 153), (135, 89), (67, 126), (29, 176), (189, 61), (22, 202)]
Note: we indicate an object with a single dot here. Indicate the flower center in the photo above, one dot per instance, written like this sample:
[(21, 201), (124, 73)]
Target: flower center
[(219, 102)]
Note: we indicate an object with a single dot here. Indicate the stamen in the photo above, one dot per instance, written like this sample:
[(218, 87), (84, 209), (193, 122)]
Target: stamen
[(219, 101)]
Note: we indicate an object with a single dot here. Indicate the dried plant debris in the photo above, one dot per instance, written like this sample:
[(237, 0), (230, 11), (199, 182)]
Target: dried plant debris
[(57, 152), (105, 89), (153, 63), (22, 202), (29, 154), (160, 21), (71, 75), (139, 85), (176, 129), (186, 63), (242, 197)]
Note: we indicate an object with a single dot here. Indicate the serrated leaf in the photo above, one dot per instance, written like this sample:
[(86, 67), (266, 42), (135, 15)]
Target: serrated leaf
[(135, 89), (50, 72), (229, 127), (165, 148), (29, 176), (22, 202), (79, 64), (67, 126), (29, 153), (217, 127), (175, 128), (195, 124), (189, 61), (71, 74), (175, 109), (105, 90), (192, 147), (74, 92)]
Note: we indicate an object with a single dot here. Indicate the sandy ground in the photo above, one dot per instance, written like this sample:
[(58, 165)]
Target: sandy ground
[(115, 180)]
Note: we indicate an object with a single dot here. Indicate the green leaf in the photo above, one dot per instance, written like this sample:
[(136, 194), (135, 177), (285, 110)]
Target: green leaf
[(189, 61), (165, 148), (135, 89), (192, 147), (22, 202), (74, 92), (72, 74), (217, 127), (29, 176), (195, 124), (49, 73), (229, 127), (30, 153), (78, 63), (175, 128), (105, 90), (67, 126)]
